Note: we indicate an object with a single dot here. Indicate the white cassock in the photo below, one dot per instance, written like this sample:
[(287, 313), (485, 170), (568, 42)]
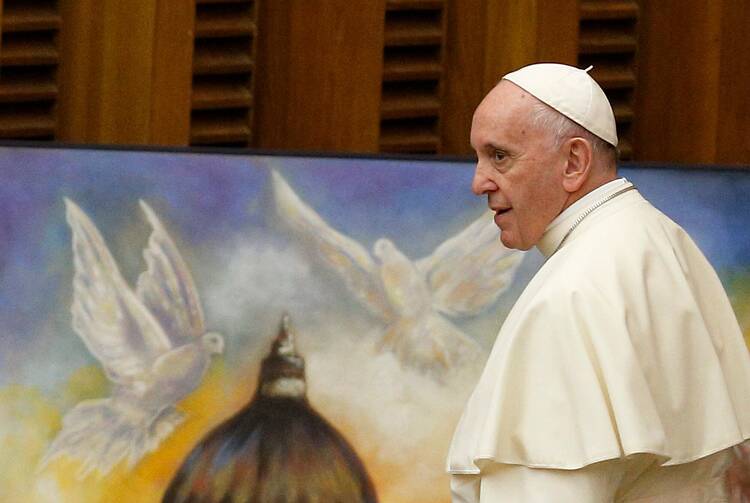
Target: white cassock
[(620, 374)]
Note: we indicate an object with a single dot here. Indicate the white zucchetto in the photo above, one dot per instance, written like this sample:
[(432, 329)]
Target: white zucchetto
[(572, 92)]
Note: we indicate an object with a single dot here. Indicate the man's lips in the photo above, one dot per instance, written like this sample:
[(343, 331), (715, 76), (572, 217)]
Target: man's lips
[(499, 212)]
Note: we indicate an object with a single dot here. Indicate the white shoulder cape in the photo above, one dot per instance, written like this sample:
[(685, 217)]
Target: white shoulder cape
[(624, 342)]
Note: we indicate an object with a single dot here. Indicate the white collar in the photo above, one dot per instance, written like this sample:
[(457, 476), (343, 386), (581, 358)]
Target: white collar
[(559, 228)]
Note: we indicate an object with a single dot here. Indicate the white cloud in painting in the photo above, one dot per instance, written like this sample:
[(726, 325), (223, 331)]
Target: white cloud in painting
[(399, 420), (251, 282)]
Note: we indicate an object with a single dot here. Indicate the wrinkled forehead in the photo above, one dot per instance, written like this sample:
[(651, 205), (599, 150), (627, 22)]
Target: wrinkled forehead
[(506, 109), (506, 99)]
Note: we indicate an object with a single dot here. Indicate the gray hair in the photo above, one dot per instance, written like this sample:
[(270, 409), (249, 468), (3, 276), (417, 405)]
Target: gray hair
[(561, 128)]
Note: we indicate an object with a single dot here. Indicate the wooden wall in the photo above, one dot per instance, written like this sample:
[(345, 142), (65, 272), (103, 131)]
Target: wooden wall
[(124, 72), (694, 82), (375, 76), (488, 39), (319, 87)]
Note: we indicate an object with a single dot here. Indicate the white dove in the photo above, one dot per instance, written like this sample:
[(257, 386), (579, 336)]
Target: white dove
[(462, 276), (151, 343)]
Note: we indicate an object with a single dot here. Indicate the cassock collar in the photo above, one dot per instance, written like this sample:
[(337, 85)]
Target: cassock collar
[(563, 223)]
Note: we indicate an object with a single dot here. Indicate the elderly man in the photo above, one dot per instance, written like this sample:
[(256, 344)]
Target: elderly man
[(621, 373)]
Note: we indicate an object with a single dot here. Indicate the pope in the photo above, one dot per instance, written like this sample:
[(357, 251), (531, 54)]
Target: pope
[(621, 373)]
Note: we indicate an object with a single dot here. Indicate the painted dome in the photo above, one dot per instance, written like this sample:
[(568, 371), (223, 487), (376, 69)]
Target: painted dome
[(276, 449)]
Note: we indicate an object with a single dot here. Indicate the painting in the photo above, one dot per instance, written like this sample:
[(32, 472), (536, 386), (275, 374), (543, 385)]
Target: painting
[(179, 324)]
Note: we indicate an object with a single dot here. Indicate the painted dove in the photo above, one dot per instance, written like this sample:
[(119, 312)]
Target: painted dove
[(151, 343), (413, 299)]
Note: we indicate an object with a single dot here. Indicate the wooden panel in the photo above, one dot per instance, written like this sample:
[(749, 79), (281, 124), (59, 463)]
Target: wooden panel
[(125, 71), (487, 39), (322, 67), (29, 57), (75, 73), (526, 32), (678, 81), (106, 70), (464, 83), (733, 126), (171, 77)]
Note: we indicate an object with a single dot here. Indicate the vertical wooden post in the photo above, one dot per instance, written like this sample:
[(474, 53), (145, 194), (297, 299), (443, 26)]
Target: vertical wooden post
[(320, 69), (732, 133), (678, 81), (2, 11), (125, 71), (171, 80), (489, 38)]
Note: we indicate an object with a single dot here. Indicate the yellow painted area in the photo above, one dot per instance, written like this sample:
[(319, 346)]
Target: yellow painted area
[(739, 295), (216, 399), (27, 423), (85, 383)]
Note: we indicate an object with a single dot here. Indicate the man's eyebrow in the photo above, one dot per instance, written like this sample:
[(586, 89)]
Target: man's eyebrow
[(495, 146)]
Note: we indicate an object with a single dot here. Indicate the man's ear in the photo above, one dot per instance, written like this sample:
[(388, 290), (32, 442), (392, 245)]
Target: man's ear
[(578, 163)]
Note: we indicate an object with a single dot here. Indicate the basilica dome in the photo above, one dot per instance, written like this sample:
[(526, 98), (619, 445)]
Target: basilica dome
[(277, 449)]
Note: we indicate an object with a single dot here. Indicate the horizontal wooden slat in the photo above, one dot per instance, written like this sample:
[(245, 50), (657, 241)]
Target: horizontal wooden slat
[(16, 90), (26, 125), (28, 53), (409, 105), (29, 18), (414, 4), (417, 33), (220, 61), (411, 70), (625, 148), (623, 112), (600, 43), (409, 142), (219, 130), (608, 9), (221, 95), (224, 25), (206, 2), (614, 77)]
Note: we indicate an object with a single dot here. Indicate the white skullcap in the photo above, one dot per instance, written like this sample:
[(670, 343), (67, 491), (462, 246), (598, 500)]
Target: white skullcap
[(572, 92)]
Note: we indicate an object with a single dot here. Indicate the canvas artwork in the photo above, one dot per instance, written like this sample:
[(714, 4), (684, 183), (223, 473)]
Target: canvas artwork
[(188, 325)]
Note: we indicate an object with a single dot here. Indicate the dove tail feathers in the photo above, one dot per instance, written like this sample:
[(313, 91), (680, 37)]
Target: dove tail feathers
[(102, 433), (431, 345)]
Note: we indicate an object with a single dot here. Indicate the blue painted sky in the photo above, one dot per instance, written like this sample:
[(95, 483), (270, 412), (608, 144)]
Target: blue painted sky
[(210, 201)]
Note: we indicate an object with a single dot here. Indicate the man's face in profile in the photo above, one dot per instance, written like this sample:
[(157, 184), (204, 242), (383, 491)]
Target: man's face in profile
[(519, 168)]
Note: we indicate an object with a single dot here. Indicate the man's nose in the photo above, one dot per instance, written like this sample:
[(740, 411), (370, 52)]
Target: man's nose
[(481, 183)]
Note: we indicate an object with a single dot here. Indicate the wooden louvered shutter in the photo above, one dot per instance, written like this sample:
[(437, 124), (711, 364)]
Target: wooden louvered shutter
[(28, 67), (608, 40), (412, 76), (223, 72)]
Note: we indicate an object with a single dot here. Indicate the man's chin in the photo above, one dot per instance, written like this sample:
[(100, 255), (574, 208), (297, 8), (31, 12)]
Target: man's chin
[(509, 242)]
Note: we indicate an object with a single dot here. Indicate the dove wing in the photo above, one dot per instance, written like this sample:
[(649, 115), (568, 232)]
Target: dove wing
[(167, 288), (113, 323), (344, 255), (471, 269)]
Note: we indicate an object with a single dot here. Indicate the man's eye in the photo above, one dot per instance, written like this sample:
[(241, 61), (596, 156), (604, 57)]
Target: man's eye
[(498, 155)]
